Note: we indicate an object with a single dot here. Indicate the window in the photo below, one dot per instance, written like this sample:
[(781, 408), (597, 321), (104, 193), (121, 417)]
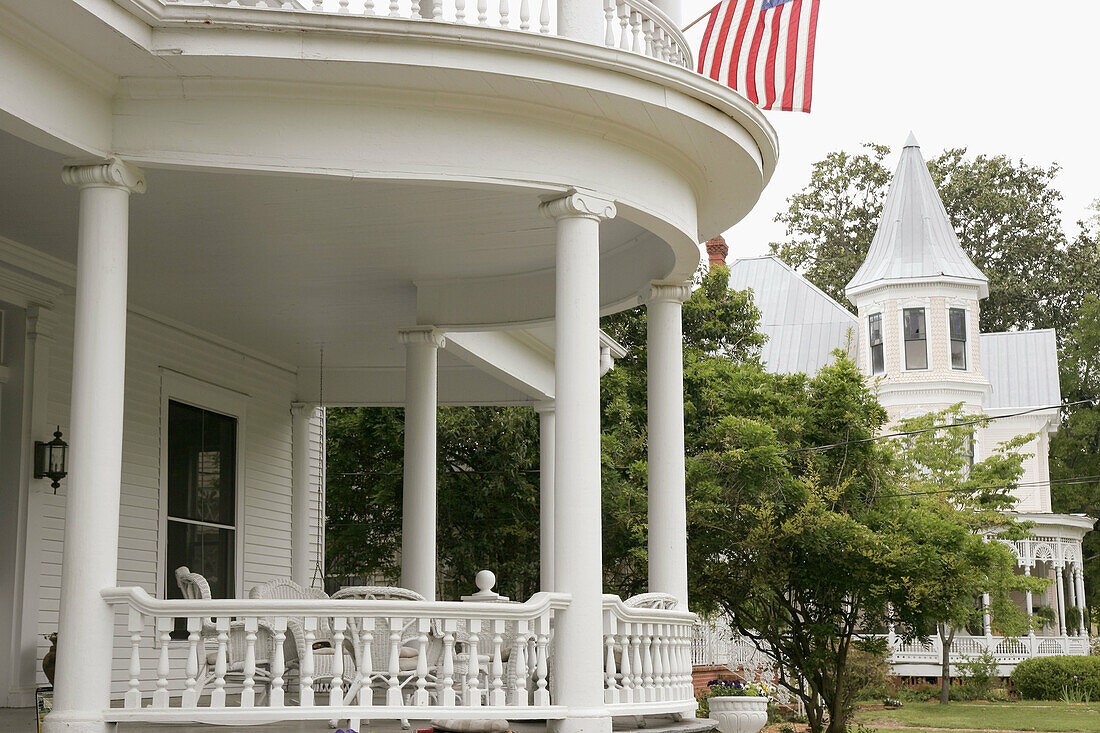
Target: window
[(957, 319), (878, 358), (202, 497), (916, 339)]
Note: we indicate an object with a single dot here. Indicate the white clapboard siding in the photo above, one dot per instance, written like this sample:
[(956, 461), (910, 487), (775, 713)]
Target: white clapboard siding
[(265, 451)]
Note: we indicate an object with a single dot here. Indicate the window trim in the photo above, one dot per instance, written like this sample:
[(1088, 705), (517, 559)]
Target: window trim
[(965, 339), (901, 329), (871, 346), (177, 387)]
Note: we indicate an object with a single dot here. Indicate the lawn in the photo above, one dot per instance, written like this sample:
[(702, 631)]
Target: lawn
[(1026, 715)]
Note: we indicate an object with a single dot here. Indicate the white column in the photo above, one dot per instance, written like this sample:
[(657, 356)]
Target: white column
[(1071, 590), (85, 632), (301, 567), (578, 554), (672, 9), (1060, 594), (667, 483), (418, 560), (1028, 603), (582, 20), (1079, 576), (545, 409), (986, 626)]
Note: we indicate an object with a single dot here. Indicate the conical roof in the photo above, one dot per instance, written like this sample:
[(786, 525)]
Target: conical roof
[(915, 239)]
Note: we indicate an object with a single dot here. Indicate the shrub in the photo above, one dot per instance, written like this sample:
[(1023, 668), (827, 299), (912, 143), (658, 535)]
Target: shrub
[(980, 675), (1043, 678)]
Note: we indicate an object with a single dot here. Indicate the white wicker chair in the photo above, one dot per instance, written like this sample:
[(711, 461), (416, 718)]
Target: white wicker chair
[(664, 601), (195, 587)]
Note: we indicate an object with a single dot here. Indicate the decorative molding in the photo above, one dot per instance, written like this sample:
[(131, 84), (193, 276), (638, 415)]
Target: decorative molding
[(109, 173), (667, 291), (578, 203), (429, 335), (545, 406)]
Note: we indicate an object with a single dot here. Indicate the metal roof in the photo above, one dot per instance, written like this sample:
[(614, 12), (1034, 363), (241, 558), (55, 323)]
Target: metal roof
[(1022, 366), (915, 238), (803, 324)]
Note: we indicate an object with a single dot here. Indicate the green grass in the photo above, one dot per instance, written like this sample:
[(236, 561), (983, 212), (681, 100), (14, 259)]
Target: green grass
[(1022, 715)]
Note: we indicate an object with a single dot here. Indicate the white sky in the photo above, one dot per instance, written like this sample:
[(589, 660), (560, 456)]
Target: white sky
[(1012, 77)]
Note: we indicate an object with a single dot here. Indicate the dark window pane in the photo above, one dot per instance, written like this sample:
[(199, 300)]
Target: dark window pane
[(958, 324), (958, 354), (201, 464), (878, 361), (916, 357), (207, 551), (875, 324), (914, 324)]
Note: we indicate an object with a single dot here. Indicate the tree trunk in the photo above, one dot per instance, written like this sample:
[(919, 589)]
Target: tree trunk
[(945, 662)]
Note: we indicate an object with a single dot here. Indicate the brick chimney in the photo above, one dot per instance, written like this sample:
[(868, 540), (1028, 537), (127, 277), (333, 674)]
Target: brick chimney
[(717, 249)]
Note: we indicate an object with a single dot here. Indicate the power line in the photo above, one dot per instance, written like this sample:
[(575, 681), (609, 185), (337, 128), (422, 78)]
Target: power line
[(1069, 481), (934, 428)]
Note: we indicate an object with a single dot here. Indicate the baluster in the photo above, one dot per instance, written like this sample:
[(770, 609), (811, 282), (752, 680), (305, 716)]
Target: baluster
[(663, 658), (217, 697), (625, 670), (483, 12), (531, 656), (191, 694), (136, 625), (395, 8), (503, 13), (544, 17), (164, 627), (366, 666), (278, 665), (636, 662), (414, 12), (318, 5), (460, 11), (525, 15), (647, 662), (647, 34), (447, 696), (422, 626), (519, 684), (624, 22), (637, 46), (336, 687), (368, 7), (437, 10), (343, 6), (393, 694), (248, 694), (664, 45), (496, 670), (305, 672), (609, 23), (610, 691), (542, 636), (473, 668)]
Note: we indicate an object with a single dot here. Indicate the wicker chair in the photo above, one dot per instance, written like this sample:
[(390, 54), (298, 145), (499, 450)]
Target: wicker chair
[(195, 587), (664, 601)]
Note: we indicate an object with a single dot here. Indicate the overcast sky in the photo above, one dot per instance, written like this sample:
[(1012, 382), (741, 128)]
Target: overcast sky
[(1019, 78)]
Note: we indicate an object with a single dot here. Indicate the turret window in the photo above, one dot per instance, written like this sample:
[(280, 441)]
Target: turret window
[(957, 318), (916, 338), (878, 358)]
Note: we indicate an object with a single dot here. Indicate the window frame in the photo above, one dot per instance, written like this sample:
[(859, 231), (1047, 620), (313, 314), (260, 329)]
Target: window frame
[(905, 340), (177, 387), (871, 344), (965, 339)]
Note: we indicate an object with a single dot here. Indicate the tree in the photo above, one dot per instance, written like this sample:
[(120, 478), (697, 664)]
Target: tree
[(936, 462)]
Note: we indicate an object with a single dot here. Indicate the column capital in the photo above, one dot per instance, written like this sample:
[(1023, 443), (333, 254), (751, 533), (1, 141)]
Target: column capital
[(667, 291), (429, 335), (578, 203), (545, 406), (300, 408), (104, 173)]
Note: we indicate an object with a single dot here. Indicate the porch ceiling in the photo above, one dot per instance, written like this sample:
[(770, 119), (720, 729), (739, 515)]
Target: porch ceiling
[(285, 264)]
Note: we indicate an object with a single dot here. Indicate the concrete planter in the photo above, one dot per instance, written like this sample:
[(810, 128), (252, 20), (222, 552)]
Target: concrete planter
[(739, 714)]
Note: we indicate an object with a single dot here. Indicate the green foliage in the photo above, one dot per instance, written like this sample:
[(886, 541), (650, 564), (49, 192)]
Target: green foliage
[(979, 674), (1044, 678), (869, 674)]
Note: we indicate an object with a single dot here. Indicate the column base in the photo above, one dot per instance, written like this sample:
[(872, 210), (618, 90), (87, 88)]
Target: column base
[(582, 721), (76, 722)]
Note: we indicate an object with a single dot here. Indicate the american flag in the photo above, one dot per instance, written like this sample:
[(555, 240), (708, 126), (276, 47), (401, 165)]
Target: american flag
[(763, 49)]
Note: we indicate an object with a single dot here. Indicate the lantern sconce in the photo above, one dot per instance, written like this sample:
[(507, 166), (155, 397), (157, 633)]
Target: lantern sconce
[(51, 459)]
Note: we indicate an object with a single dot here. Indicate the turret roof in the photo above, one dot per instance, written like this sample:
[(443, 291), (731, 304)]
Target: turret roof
[(915, 239)]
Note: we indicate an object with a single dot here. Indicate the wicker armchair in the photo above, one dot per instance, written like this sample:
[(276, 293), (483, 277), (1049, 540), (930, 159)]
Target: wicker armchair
[(664, 601), (195, 587)]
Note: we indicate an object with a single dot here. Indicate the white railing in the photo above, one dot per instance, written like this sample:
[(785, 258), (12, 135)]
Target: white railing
[(715, 643), (637, 26), (252, 661), (1008, 651), (647, 665)]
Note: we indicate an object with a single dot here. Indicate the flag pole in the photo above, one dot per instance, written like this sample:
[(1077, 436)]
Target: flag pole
[(689, 25)]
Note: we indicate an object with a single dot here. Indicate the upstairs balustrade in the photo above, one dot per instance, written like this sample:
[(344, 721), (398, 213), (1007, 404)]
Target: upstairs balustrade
[(637, 26), (251, 661)]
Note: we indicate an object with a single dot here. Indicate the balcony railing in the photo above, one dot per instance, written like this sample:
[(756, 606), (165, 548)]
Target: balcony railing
[(1006, 650), (636, 26), (255, 661)]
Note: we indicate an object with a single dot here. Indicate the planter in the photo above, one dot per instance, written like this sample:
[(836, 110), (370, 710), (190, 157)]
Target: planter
[(739, 714)]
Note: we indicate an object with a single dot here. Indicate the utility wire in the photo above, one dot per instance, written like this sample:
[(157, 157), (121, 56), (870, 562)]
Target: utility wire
[(934, 428)]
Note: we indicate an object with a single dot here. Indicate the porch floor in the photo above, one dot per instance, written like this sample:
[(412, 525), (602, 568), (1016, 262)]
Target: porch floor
[(21, 720)]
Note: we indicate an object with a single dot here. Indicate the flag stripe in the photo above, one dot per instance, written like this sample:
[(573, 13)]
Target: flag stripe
[(763, 49)]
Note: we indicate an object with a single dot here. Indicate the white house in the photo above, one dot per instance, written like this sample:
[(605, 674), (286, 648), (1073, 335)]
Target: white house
[(915, 334), (217, 216)]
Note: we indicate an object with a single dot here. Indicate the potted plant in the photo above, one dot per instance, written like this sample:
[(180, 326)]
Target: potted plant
[(738, 707)]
